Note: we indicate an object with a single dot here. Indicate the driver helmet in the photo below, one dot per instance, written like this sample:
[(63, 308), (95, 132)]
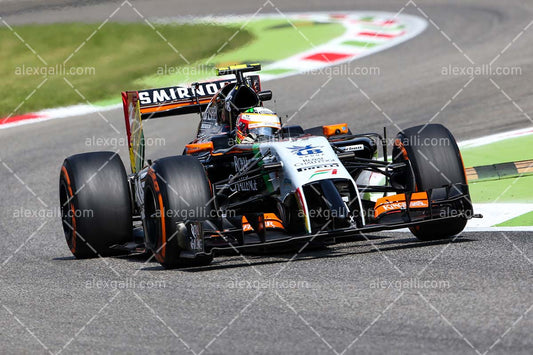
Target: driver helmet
[(257, 124)]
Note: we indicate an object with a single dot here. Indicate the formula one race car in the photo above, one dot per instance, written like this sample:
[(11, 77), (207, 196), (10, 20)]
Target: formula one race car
[(249, 181)]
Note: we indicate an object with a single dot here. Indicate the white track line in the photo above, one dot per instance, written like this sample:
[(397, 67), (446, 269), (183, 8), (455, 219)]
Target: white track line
[(476, 142)]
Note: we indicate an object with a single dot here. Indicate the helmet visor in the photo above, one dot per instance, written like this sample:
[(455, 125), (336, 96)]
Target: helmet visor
[(264, 132)]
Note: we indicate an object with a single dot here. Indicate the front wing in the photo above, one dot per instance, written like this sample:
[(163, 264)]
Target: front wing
[(444, 203)]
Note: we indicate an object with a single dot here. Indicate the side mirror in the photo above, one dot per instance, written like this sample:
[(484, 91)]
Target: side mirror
[(335, 129), (265, 95)]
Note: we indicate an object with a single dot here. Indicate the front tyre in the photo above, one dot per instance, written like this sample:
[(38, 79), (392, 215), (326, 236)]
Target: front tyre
[(435, 161), (95, 203)]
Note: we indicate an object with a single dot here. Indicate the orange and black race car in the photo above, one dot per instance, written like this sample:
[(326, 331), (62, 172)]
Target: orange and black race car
[(246, 180)]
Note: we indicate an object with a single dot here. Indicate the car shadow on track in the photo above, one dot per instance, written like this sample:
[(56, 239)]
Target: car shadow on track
[(370, 244), (64, 258)]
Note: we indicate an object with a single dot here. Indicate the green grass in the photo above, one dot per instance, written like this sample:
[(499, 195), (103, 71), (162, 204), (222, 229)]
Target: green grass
[(508, 150), (116, 56), (506, 190), (517, 189), (523, 220), (275, 39), (361, 44)]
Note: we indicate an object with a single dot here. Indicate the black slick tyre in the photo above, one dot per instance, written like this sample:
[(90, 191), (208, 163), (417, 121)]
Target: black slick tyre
[(435, 161), (176, 191), (95, 203)]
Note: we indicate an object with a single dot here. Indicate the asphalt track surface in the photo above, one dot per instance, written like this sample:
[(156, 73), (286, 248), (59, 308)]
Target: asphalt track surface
[(481, 296)]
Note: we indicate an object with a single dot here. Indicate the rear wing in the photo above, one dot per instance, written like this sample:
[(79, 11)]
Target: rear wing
[(178, 100), (169, 101)]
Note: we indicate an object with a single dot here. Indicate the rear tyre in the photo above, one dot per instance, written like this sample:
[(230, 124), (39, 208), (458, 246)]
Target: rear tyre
[(95, 203), (435, 161), (177, 191)]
